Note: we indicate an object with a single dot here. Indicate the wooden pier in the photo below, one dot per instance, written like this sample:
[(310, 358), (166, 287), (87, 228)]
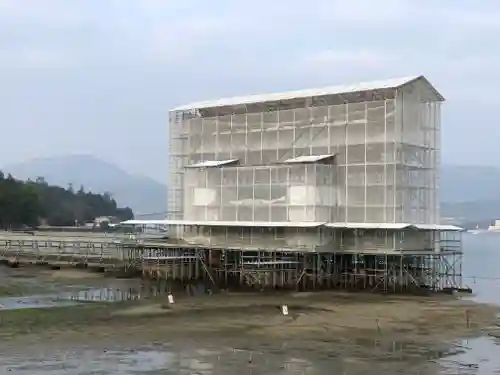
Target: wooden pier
[(152, 258), (25, 248)]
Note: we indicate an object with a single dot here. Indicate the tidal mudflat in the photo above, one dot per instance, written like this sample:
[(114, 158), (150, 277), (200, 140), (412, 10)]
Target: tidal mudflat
[(228, 331)]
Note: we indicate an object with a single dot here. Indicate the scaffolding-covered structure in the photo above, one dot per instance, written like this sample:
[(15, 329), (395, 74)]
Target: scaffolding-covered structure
[(290, 192), (384, 135), (341, 170)]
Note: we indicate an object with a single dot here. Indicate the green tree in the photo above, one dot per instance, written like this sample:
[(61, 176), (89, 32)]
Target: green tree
[(28, 203)]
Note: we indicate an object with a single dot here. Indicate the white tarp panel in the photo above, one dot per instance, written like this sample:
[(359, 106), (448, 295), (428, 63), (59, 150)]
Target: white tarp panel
[(204, 196)]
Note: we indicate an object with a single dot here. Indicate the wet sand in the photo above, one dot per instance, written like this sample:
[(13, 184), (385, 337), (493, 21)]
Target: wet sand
[(67, 274), (316, 317), (26, 281), (359, 327), (319, 314)]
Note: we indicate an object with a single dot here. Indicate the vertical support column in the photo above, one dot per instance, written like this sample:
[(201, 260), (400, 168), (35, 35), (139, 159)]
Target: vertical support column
[(269, 206), (231, 146), (346, 187), (437, 161), (294, 126), (217, 140), (237, 196), (310, 125), (277, 134), (366, 166), (432, 179), (402, 283), (461, 285), (329, 124), (386, 274), (220, 215), (225, 253), (262, 137), (384, 160), (253, 194), (240, 264), (395, 155), (306, 179), (247, 149)]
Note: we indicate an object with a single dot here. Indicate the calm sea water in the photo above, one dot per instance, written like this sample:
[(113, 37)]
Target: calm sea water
[(481, 273), (482, 265)]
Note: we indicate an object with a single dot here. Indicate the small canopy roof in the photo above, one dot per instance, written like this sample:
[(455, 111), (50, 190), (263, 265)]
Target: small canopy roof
[(213, 163), (309, 159)]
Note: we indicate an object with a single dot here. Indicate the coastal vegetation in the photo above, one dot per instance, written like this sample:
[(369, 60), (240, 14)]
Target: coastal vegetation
[(32, 203)]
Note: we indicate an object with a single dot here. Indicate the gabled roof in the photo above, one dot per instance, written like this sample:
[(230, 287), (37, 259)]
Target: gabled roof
[(296, 94)]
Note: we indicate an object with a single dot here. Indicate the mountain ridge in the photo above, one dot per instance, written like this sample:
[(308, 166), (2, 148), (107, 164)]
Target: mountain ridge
[(143, 194)]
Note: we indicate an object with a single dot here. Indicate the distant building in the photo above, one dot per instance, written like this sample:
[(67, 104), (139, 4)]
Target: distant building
[(495, 227), (106, 219)]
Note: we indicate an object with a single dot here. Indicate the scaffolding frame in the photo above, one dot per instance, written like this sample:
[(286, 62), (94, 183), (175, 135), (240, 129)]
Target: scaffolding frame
[(287, 192), (384, 142)]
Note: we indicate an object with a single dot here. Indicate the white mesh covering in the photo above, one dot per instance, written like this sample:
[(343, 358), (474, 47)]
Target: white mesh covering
[(278, 193), (385, 141)]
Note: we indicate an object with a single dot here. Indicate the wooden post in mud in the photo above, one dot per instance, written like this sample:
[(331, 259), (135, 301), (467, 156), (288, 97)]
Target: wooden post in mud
[(225, 269)]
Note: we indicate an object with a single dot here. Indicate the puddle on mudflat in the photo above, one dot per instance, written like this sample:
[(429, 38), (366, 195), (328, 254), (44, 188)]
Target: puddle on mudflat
[(219, 358), (33, 287), (76, 296), (90, 362), (30, 302), (480, 360), (193, 360), (73, 297), (123, 292)]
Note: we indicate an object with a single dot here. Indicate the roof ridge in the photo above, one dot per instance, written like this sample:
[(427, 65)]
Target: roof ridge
[(302, 93)]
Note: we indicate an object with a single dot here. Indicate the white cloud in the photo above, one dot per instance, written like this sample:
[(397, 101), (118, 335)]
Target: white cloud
[(182, 40), (136, 50), (166, 30), (153, 30), (358, 58), (382, 37), (467, 18), (50, 12), (404, 14), (367, 13), (38, 57)]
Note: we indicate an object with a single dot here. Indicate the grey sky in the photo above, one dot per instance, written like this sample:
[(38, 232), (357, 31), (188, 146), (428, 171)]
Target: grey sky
[(95, 76)]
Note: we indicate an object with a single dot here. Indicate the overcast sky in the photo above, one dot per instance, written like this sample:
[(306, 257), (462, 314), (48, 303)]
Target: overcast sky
[(99, 76)]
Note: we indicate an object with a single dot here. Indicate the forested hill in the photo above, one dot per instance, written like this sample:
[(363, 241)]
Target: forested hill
[(143, 194), (30, 203)]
